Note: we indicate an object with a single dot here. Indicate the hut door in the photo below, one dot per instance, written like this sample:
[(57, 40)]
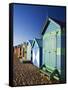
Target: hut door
[(46, 47), (53, 51), (36, 56)]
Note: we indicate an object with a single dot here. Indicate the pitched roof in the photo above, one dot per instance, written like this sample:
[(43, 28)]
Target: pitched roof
[(61, 23), (30, 41), (47, 22), (39, 42)]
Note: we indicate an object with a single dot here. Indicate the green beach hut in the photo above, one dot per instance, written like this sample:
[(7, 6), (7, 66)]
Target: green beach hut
[(53, 36)]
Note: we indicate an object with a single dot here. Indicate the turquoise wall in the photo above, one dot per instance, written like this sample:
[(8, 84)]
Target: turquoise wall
[(52, 46)]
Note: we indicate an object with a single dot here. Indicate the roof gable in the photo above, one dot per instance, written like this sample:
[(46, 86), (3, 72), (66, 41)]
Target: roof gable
[(38, 41), (48, 20), (30, 41)]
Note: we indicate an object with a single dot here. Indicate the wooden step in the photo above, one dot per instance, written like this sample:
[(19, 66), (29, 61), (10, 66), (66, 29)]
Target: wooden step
[(47, 73)]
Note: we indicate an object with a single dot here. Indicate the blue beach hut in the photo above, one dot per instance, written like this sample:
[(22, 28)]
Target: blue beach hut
[(37, 52)]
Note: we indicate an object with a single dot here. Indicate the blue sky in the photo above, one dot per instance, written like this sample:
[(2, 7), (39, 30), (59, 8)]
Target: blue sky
[(29, 20)]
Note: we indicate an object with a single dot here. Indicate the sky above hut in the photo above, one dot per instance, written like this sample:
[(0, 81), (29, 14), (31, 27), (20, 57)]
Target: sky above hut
[(28, 20)]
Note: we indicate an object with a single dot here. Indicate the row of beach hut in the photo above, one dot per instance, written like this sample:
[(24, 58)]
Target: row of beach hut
[(47, 53)]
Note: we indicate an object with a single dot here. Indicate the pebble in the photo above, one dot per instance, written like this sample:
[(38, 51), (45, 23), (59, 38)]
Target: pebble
[(27, 74)]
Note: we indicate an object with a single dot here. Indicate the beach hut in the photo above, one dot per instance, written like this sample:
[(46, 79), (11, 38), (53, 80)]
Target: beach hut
[(53, 36), (37, 52), (19, 51), (24, 51), (29, 50), (15, 50)]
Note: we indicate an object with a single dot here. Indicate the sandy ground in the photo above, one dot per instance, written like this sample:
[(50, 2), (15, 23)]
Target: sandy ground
[(27, 74)]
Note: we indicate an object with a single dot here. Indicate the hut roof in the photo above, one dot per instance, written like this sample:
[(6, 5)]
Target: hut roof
[(39, 42), (61, 23), (30, 41)]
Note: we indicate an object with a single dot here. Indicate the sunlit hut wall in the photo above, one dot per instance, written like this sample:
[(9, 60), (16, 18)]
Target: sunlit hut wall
[(37, 52), (29, 50), (19, 47), (24, 51), (54, 46), (16, 51)]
